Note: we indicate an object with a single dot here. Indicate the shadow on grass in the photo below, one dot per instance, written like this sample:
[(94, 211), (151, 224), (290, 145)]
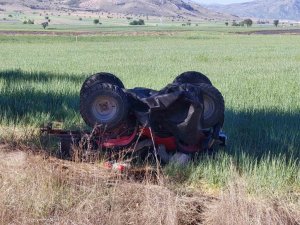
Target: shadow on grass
[(22, 104), (23, 76), (29, 96), (260, 132), (255, 133)]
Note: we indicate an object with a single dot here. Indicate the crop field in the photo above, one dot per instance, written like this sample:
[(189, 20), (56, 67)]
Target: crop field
[(258, 75)]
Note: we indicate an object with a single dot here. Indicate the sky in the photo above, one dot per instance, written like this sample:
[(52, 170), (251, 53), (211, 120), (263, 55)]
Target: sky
[(220, 1)]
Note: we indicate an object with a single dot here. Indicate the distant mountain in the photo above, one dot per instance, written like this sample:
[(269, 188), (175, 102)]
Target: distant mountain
[(264, 9), (173, 8)]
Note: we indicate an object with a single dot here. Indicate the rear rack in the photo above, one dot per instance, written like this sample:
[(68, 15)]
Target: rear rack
[(54, 129)]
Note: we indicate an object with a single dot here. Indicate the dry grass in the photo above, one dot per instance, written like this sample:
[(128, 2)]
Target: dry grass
[(236, 207), (34, 190), (41, 190), (27, 137)]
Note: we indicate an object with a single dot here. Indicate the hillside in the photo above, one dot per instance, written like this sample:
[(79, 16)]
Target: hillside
[(264, 9), (146, 7)]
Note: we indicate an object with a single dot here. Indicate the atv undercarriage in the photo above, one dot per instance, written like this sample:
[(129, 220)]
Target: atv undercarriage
[(174, 124)]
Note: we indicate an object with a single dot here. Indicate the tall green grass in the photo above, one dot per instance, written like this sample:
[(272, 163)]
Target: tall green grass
[(40, 79)]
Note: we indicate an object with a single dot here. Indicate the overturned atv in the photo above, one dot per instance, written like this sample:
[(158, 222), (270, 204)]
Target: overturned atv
[(177, 121)]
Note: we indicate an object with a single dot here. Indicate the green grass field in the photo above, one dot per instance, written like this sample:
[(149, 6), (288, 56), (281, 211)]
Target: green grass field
[(258, 75)]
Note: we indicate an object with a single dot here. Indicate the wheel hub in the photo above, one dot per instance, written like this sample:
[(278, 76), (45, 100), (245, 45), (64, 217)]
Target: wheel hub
[(104, 108)]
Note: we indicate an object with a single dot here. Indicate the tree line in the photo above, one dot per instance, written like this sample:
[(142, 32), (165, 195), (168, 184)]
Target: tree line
[(247, 22)]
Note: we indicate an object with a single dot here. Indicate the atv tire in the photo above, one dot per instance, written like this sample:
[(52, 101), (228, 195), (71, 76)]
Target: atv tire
[(99, 78), (103, 104), (214, 106), (192, 77)]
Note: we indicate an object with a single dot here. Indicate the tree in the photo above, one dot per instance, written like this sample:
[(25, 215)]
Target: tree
[(137, 22), (248, 22), (28, 21), (96, 21), (141, 22), (235, 24), (134, 22), (45, 24), (276, 22), (226, 23)]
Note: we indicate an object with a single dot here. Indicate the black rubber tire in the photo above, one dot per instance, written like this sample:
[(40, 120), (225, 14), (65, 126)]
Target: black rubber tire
[(192, 77), (101, 77), (214, 101), (88, 102)]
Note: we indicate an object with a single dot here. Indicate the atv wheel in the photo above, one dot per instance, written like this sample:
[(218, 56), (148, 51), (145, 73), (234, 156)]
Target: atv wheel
[(192, 77), (101, 78), (104, 104), (214, 106)]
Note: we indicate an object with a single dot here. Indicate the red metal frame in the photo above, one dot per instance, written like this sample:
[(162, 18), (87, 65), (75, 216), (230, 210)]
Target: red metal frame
[(122, 141), (168, 142)]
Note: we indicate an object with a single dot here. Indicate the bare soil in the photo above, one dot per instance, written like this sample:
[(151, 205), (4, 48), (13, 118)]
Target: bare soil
[(90, 33), (272, 32)]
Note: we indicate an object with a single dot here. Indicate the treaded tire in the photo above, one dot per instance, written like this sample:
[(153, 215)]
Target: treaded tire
[(105, 104), (192, 77), (101, 77), (214, 106)]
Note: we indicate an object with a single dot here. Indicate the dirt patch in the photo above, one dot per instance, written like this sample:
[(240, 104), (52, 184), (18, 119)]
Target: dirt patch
[(90, 33), (272, 32)]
